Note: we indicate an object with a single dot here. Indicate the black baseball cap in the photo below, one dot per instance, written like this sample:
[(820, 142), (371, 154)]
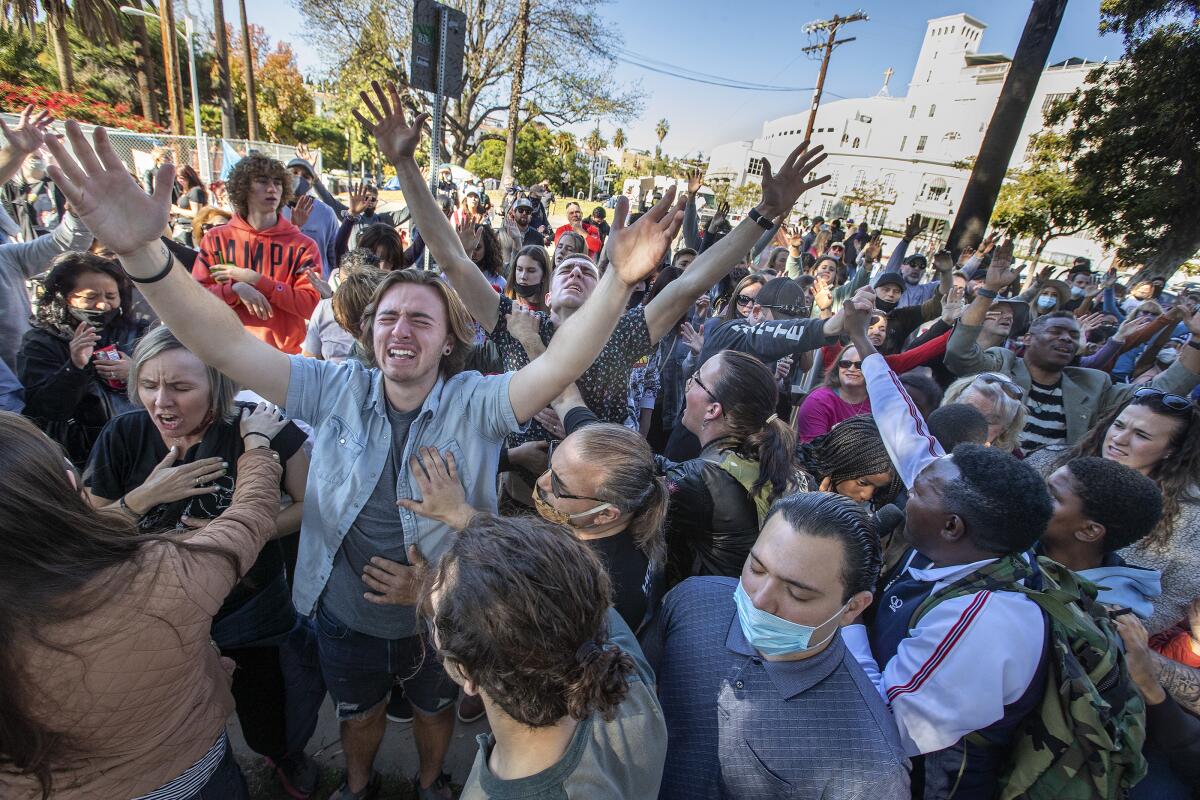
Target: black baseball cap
[(890, 277), (782, 295)]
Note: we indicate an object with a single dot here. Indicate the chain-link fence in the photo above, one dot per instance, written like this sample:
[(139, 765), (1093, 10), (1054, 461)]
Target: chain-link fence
[(139, 150)]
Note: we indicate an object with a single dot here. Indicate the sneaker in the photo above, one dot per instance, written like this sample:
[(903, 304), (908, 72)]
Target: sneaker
[(438, 790), (298, 774), (470, 708), (398, 707), (370, 792)]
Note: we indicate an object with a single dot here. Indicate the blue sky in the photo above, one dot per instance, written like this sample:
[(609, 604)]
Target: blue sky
[(760, 42)]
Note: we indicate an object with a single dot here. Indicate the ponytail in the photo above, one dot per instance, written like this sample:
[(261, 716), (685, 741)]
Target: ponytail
[(774, 446), (748, 396), (601, 681)]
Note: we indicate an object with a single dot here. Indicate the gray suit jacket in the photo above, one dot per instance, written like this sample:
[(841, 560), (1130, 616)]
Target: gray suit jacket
[(1087, 393)]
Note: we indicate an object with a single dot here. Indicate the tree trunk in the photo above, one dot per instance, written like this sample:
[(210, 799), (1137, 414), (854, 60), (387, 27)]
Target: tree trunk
[(1173, 251), (143, 56), (166, 26), (228, 114), (56, 27), (1004, 129), (514, 101), (248, 54)]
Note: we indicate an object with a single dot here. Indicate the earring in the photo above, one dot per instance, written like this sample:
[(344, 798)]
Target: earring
[(448, 351)]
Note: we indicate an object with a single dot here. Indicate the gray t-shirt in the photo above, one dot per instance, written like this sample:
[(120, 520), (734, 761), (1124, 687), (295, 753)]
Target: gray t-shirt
[(377, 531), (605, 760)]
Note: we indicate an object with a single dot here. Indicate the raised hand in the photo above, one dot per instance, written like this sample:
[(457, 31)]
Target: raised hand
[(874, 248), (357, 199), (1193, 324), (396, 138), (1000, 272), (636, 250), (693, 338), (953, 304), (780, 189), (1110, 278), (718, 218), (442, 495), (29, 133), (987, 244), (943, 261), (304, 207), (695, 179), (795, 239), (965, 255), (912, 226), (83, 344), (469, 233), (303, 151), (253, 300), (1131, 326), (105, 196)]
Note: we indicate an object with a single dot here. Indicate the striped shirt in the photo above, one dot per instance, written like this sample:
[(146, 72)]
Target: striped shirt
[(190, 783), (1047, 420)]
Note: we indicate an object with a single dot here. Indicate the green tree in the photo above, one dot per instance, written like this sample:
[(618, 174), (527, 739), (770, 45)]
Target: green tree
[(540, 155), (661, 130), (619, 139), (1041, 200), (1132, 144), (742, 198), (19, 53)]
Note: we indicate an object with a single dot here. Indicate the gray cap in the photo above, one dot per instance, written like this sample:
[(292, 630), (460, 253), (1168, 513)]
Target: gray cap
[(300, 162), (524, 202)]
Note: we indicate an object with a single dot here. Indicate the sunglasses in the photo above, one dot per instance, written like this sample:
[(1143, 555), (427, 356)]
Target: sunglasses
[(744, 300), (1007, 386), (1174, 402), (846, 363)]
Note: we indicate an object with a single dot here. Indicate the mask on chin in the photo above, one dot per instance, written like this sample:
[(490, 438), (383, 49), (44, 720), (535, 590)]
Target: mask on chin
[(527, 290), (886, 306), (94, 316), (775, 636)]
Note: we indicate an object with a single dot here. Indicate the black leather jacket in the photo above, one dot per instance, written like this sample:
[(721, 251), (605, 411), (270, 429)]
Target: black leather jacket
[(711, 522)]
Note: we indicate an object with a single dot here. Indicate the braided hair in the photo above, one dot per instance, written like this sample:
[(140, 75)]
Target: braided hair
[(852, 448)]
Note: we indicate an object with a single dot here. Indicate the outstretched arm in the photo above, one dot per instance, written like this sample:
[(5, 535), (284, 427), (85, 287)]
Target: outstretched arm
[(27, 136), (129, 221), (780, 192), (909, 444), (398, 140)]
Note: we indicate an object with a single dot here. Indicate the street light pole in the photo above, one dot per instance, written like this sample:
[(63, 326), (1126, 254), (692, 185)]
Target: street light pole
[(831, 41), (188, 31)]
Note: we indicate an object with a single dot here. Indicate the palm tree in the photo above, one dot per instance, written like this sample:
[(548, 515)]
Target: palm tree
[(593, 144), (619, 139), (661, 130), (96, 19)]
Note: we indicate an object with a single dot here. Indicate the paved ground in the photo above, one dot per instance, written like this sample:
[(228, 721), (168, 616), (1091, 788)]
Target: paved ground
[(397, 758)]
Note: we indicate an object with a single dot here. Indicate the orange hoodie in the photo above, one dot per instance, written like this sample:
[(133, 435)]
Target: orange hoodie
[(281, 254)]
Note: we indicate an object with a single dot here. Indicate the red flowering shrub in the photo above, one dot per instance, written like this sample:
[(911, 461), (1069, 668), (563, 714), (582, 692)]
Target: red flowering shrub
[(66, 105)]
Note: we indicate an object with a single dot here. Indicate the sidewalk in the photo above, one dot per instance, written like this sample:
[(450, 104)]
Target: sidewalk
[(397, 759)]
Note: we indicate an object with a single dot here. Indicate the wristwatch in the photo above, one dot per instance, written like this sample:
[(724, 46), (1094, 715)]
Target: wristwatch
[(759, 220)]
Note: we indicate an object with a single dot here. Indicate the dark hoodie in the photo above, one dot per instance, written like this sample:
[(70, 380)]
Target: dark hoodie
[(281, 254)]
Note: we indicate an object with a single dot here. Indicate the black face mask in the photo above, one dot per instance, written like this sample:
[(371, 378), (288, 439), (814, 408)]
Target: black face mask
[(527, 290), (95, 317), (301, 187), (886, 306)]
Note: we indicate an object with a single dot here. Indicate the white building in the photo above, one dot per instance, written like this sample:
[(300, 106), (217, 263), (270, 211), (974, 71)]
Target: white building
[(904, 150)]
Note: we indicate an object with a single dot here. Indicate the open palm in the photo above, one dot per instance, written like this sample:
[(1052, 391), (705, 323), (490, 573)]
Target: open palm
[(636, 250), (396, 138), (29, 133), (780, 189), (105, 196)]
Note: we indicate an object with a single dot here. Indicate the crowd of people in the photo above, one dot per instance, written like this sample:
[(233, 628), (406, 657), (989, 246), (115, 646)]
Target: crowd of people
[(685, 510)]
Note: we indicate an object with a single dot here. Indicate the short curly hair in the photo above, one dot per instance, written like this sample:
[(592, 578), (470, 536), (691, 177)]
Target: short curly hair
[(1003, 502), (249, 169), (1127, 503)]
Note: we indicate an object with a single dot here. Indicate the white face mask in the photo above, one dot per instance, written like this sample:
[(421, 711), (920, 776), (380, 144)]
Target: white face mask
[(1167, 357)]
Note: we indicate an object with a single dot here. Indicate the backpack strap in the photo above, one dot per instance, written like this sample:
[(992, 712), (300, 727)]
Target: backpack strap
[(1004, 574), (746, 471)]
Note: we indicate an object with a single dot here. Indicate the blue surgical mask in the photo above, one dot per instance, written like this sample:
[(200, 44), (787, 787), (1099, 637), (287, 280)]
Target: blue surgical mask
[(1077, 292), (772, 635), (1045, 302)]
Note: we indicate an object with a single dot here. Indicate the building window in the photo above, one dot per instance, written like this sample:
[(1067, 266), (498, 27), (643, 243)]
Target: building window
[(920, 148), (860, 178), (903, 141), (1053, 100), (889, 182), (756, 167), (932, 110), (856, 143), (845, 138), (912, 112)]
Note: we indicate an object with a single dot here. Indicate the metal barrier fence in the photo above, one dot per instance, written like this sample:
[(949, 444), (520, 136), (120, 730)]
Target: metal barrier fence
[(138, 150)]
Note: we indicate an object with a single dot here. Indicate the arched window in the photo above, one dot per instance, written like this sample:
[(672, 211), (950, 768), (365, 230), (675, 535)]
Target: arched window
[(932, 109), (856, 142)]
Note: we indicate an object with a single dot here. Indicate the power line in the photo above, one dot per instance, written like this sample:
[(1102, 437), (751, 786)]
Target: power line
[(671, 70)]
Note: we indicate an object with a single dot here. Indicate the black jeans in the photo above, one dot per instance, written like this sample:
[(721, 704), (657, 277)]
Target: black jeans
[(259, 695), (226, 783)]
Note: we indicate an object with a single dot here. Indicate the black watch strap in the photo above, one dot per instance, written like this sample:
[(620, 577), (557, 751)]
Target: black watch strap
[(759, 220)]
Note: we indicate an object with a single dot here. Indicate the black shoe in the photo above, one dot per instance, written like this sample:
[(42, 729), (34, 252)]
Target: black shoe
[(470, 708), (298, 774), (398, 707), (370, 792), (438, 790)]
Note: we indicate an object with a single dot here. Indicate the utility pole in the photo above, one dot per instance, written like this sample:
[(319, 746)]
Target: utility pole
[(831, 41), (514, 100), (248, 54), (166, 25), (1004, 130), (228, 116)]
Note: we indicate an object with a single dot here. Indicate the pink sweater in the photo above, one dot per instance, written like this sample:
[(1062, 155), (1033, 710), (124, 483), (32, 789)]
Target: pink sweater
[(823, 409)]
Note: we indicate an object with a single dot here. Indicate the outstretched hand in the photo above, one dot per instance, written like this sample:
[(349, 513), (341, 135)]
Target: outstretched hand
[(636, 250), (1000, 273), (105, 196), (397, 139), (29, 133), (856, 317), (781, 189)]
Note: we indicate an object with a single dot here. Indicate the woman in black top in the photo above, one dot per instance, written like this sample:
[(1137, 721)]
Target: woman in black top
[(172, 462), (192, 197), (74, 361)]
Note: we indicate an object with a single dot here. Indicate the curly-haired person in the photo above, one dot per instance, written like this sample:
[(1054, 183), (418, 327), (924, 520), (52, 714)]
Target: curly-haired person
[(258, 262)]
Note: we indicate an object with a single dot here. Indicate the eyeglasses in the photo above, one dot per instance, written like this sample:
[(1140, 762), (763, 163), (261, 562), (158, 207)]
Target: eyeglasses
[(846, 363), (1006, 385), (1174, 402), (744, 300), (695, 378)]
